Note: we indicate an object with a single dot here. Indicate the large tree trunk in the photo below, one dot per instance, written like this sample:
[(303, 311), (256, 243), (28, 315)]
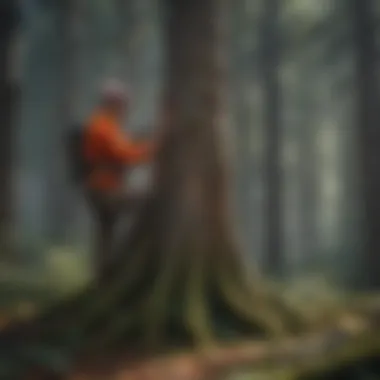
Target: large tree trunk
[(8, 21), (368, 131), (273, 260)]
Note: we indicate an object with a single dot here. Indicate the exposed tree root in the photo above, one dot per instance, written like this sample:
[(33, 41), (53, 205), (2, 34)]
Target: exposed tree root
[(197, 311)]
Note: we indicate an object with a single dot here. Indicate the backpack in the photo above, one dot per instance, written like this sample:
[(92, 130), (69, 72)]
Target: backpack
[(78, 167)]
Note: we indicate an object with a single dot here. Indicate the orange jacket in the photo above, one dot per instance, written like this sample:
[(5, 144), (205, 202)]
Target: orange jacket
[(105, 142)]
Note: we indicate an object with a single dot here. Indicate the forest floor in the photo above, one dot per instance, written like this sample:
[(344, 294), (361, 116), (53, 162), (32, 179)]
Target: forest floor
[(355, 335), (289, 359), (345, 327)]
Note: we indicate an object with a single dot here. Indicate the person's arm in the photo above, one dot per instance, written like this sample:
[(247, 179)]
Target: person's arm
[(124, 150)]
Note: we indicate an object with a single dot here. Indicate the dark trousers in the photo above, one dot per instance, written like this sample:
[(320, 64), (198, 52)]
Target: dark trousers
[(108, 209)]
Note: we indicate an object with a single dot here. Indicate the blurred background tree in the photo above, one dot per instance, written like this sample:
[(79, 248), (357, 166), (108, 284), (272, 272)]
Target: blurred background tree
[(10, 20)]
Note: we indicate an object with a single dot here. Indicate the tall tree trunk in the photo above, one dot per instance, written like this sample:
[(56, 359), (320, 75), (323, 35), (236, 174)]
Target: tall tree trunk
[(274, 260), (308, 180), (362, 13), (127, 24), (137, 19), (9, 16), (61, 201)]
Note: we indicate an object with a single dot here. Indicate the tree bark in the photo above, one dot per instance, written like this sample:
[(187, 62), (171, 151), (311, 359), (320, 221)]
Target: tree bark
[(8, 21), (362, 15), (270, 59)]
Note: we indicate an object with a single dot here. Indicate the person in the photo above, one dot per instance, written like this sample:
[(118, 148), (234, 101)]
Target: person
[(110, 152)]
